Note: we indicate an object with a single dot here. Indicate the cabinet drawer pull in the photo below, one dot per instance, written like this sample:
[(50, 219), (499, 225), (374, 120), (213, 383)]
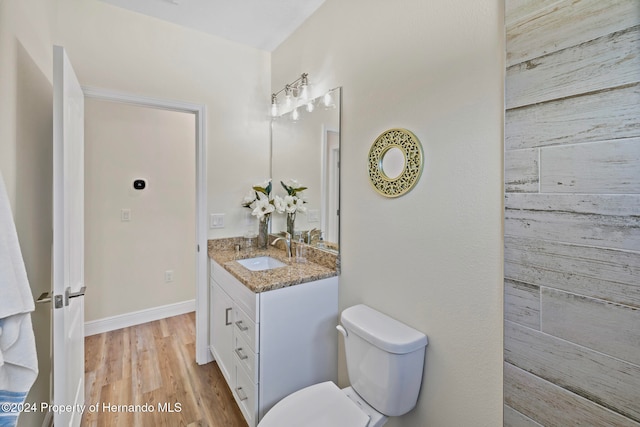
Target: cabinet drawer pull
[(240, 354), (241, 394), (241, 326), (226, 316)]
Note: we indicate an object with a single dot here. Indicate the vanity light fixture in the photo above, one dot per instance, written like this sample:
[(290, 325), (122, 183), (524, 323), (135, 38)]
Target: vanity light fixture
[(294, 92), (327, 100), (310, 107)]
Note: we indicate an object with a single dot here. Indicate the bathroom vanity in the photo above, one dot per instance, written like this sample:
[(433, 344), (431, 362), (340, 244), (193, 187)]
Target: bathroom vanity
[(272, 332)]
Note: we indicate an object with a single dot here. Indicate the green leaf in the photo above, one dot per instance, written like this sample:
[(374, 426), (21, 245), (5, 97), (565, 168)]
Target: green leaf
[(261, 190)]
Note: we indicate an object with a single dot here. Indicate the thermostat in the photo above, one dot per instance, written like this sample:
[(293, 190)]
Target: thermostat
[(139, 184)]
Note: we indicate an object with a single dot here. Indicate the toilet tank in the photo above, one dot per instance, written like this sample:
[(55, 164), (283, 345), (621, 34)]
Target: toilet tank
[(385, 359)]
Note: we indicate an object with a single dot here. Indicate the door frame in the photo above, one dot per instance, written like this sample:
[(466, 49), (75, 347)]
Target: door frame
[(327, 182), (200, 110)]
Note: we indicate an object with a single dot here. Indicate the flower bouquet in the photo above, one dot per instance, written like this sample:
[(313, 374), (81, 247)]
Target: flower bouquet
[(262, 205), (292, 203)]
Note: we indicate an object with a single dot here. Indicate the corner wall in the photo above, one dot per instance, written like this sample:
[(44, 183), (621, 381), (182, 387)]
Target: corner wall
[(433, 257), (572, 206)]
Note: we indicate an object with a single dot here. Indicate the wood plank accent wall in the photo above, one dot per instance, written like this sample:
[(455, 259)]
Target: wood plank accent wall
[(572, 213)]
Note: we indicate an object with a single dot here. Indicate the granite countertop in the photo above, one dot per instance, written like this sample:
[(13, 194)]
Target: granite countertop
[(293, 273)]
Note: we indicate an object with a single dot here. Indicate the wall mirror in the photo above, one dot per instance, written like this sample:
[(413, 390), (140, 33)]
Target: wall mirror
[(395, 162), (305, 147)]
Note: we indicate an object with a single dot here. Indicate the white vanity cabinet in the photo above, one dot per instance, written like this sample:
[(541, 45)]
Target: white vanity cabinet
[(272, 343)]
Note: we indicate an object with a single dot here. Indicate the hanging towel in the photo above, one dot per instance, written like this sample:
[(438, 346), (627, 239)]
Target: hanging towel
[(18, 359)]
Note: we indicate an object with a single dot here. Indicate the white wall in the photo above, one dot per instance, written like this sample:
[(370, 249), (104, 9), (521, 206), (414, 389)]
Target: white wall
[(433, 257), (116, 49), (26, 99), (125, 261)]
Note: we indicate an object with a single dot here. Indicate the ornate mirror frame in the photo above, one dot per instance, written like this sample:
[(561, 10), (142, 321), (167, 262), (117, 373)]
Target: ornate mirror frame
[(409, 144)]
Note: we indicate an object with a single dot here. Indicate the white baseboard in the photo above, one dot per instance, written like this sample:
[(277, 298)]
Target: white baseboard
[(137, 317)]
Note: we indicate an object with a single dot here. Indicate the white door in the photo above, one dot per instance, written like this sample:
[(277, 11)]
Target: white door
[(68, 243)]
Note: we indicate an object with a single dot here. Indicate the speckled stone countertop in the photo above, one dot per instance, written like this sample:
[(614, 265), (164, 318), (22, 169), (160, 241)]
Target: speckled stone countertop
[(319, 265)]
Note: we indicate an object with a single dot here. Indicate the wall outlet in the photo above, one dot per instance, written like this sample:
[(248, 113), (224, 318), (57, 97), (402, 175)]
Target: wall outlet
[(168, 276)]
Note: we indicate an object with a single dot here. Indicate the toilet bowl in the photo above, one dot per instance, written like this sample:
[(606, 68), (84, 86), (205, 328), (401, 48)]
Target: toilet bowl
[(323, 405), (385, 360)]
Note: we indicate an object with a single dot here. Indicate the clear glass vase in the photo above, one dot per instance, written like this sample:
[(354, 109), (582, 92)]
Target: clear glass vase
[(291, 223), (263, 232)]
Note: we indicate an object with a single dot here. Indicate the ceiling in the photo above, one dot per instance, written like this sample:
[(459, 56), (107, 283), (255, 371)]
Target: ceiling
[(262, 24)]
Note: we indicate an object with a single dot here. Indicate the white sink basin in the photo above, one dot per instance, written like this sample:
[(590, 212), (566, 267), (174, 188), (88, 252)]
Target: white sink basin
[(261, 263)]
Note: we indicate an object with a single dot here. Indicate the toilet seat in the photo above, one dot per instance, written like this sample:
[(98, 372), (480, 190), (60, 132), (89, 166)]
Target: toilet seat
[(319, 405)]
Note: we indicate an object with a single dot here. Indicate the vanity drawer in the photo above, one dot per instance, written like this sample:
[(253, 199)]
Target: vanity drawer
[(246, 328), (246, 358), (245, 394)]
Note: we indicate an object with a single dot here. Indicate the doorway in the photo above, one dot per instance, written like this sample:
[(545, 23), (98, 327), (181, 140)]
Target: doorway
[(150, 204), (330, 184)]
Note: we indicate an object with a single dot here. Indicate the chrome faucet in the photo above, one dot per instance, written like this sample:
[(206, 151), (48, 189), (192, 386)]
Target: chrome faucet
[(287, 242), (312, 234)]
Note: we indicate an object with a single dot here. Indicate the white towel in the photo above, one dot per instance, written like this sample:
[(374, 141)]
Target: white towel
[(18, 359)]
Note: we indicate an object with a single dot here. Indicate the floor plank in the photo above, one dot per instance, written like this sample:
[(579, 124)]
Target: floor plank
[(146, 375)]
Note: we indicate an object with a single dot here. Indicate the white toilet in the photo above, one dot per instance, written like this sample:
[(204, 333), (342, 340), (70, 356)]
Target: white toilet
[(385, 359)]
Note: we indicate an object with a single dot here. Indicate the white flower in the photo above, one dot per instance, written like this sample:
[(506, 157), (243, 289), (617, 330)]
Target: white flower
[(290, 203), (293, 204), (279, 204), (262, 206), (249, 199), (292, 183), (300, 207)]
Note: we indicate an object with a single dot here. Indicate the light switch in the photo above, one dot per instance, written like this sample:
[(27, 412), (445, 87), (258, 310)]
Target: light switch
[(168, 276), (125, 215), (216, 220)]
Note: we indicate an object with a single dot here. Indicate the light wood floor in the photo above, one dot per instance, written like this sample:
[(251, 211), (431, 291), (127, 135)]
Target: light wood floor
[(154, 364)]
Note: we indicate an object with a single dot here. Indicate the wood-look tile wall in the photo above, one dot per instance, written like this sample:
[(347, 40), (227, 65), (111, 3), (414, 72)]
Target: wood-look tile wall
[(572, 213)]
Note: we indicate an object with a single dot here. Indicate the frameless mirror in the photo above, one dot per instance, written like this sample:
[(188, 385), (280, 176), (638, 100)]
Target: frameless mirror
[(305, 147)]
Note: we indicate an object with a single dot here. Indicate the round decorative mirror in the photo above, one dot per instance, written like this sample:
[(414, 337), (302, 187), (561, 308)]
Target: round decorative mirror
[(392, 162), (395, 162)]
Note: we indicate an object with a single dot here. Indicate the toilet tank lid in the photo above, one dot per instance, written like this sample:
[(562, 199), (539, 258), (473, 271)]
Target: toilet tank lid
[(381, 330)]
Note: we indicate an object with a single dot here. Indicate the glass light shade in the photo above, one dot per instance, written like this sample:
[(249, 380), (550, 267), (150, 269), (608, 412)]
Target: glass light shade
[(327, 100), (310, 106), (304, 92)]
